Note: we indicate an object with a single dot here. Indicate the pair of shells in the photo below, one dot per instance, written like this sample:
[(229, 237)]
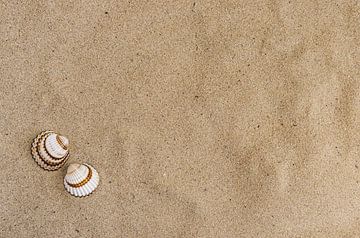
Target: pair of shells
[(51, 151)]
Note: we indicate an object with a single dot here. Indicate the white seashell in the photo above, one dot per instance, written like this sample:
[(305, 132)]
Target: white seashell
[(81, 179), (50, 150)]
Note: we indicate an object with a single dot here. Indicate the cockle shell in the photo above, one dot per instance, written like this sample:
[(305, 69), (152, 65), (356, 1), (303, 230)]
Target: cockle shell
[(81, 179), (50, 150)]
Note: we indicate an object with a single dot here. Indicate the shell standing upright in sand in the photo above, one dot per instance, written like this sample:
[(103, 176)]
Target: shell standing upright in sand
[(81, 179), (50, 150)]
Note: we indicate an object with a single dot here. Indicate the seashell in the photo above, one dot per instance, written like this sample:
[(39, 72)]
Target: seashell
[(50, 150), (81, 179)]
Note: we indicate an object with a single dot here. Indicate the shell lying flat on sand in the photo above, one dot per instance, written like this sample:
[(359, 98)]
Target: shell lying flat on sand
[(50, 150), (81, 179)]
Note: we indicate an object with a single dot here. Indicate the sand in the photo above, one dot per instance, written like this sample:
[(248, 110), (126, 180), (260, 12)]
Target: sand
[(203, 118)]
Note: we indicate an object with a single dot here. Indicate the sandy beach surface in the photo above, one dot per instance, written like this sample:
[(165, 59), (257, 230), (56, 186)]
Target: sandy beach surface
[(203, 118)]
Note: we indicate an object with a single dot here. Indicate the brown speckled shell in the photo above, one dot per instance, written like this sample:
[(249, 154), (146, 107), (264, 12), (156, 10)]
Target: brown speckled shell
[(40, 160)]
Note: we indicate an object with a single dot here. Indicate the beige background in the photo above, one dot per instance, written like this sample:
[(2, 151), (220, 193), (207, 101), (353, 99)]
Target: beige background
[(203, 118)]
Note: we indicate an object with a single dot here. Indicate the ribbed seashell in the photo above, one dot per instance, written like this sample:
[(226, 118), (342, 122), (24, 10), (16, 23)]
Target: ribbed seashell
[(50, 150), (81, 179)]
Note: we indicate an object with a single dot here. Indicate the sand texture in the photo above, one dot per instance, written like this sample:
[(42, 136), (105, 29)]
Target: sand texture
[(234, 118)]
